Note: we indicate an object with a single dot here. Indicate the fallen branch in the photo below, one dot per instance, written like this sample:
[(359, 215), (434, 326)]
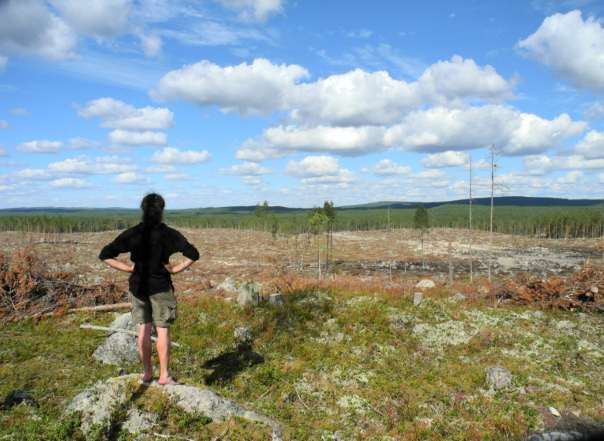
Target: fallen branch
[(161, 435), (124, 331), (98, 308)]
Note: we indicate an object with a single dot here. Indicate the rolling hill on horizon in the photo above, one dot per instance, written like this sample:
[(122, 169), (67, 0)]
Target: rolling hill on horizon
[(520, 201)]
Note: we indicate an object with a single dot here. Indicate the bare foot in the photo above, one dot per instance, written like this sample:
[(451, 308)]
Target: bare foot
[(167, 381), (146, 379)]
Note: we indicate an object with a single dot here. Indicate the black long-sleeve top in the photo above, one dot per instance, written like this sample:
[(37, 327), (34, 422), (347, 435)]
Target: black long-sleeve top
[(150, 249)]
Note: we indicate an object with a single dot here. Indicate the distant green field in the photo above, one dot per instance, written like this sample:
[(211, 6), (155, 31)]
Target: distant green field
[(553, 222)]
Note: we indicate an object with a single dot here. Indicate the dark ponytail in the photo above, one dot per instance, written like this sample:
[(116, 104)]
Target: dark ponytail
[(153, 209)]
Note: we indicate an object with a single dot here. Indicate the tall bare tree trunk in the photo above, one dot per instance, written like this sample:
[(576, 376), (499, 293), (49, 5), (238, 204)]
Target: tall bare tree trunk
[(423, 257), (388, 218), (471, 232), (319, 256), (492, 205), (327, 251), (450, 262)]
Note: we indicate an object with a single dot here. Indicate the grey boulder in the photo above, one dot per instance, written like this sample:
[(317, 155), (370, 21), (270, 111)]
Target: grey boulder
[(119, 347), (249, 294), (99, 404), (498, 377)]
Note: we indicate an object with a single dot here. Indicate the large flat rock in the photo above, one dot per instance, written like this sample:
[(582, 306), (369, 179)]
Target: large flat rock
[(100, 403)]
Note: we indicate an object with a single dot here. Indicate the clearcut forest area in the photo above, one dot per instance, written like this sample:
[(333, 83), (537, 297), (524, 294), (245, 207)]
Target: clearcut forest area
[(365, 328)]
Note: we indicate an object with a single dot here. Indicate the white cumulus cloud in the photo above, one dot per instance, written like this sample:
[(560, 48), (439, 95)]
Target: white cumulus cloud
[(513, 132), (449, 158), (572, 46), (354, 98), (129, 178), (320, 170), (314, 166), (84, 165), (116, 114), (257, 88), (29, 28), (171, 155), (592, 145), (543, 164), (69, 183), (463, 78), (246, 169), (130, 137), (33, 173), (100, 18), (436, 129), (387, 167), (40, 146), (341, 140)]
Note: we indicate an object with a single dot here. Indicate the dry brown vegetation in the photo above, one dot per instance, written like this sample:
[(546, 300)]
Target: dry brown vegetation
[(41, 273), (29, 289)]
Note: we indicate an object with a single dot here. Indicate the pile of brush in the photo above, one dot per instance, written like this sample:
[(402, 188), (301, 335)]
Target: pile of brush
[(29, 289), (583, 290)]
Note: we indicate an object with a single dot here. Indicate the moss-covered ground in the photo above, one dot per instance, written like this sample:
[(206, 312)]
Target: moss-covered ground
[(336, 365)]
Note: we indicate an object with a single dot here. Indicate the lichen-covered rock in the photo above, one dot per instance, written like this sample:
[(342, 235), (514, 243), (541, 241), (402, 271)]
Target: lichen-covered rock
[(243, 335), (417, 298), (249, 294), (138, 421), (102, 405), (276, 298), (458, 297), (100, 402), (119, 347), (498, 377), (228, 284), (425, 284), (199, 401)]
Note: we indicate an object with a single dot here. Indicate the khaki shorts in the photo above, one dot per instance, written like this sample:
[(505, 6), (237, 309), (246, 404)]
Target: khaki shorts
[(158, 308)]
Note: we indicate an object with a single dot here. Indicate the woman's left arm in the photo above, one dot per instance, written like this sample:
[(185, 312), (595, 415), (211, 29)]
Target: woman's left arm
[(189, 252), (119, 265), (180, 266)]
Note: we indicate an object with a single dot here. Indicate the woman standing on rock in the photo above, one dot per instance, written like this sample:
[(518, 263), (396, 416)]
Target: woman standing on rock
[(150, 244)]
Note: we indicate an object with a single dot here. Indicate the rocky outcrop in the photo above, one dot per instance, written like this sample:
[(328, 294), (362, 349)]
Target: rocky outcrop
[(425, 284), (108, 404), (249, 294), (118, 348), (498, 377), (276, 298)]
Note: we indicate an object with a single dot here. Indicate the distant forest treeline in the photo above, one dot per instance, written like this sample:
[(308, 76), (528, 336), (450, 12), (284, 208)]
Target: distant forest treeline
[(567, 221)]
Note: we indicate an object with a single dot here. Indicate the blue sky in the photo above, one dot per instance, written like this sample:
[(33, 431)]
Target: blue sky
[(229, 102)]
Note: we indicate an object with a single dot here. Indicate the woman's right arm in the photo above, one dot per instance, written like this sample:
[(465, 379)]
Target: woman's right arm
[(113, 249)]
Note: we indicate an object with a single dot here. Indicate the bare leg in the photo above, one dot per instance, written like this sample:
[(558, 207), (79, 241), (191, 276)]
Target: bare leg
[(144, 350), (163, 351)]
